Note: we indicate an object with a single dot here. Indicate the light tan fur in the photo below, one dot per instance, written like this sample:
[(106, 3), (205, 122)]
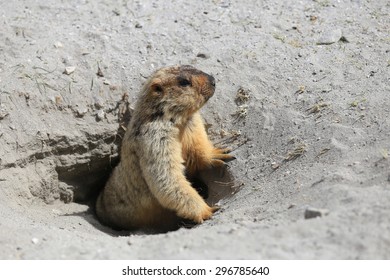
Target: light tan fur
[(165, 143)]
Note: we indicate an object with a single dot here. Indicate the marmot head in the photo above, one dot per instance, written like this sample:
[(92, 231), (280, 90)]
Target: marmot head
[(177, 90)]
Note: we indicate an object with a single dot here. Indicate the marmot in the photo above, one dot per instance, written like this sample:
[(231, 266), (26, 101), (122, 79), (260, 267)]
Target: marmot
[(164, 145)]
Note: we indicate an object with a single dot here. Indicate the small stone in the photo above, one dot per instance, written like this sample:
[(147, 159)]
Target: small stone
[(82, 111), (275, 165), (202, 55), (66, 195), (312, 212), (58, 45), (99, 103), (292, 205), (330, 37), (35, 240), (100, 115), (3, 111), (69, 70)]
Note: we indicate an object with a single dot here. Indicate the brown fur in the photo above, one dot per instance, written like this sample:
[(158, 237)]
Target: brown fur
[(165, 141)]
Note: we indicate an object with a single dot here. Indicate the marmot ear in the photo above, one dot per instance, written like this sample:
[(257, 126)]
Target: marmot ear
[(156, 86)]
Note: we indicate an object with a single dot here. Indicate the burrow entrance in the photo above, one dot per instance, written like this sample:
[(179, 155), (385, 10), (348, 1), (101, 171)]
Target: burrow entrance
[(85, 185), (82, 180)]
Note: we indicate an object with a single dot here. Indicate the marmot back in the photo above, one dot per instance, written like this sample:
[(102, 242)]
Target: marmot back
[(165, 143)]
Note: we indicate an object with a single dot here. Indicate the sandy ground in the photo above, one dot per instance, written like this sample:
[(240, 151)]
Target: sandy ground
[(302, 98)]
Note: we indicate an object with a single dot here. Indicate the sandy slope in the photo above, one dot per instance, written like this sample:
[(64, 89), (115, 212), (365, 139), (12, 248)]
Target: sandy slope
[(314, 131)]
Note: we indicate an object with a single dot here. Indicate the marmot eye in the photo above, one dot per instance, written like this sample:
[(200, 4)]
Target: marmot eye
[(183, 82)]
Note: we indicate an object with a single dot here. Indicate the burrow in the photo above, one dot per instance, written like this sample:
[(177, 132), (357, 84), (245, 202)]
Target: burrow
[(82, 180)]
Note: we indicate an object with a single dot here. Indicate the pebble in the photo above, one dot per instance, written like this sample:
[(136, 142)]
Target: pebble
[(35, 240), (81, 111), (3, 111), (292, 205), (58, 45), (275, 165), (202, 55), (99, 103), (312, 212), (330, 37), (69, 70), (100, 115)]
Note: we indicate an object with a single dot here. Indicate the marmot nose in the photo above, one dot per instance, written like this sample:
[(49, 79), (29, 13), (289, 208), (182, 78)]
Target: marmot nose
[(211, 80)]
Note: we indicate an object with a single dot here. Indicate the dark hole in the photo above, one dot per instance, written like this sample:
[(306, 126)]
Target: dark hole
[(87, 181)]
